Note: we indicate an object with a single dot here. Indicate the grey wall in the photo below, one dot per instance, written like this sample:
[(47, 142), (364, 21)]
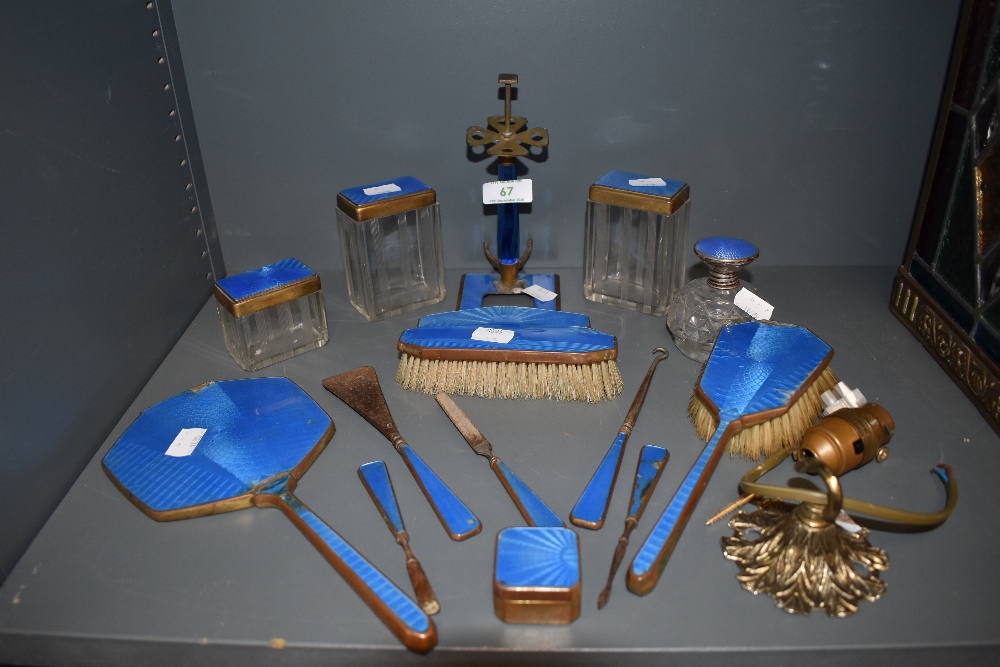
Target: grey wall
[(109, 249), (803, 126)]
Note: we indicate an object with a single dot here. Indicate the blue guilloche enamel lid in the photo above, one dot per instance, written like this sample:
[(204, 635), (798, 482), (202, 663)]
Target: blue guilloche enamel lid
[(359, 205), (546, 557), (725, 248), (614, 188), (254, 290)]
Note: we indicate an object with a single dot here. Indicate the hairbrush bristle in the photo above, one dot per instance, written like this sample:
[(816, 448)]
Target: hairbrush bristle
[(504, 379), (771, 436)]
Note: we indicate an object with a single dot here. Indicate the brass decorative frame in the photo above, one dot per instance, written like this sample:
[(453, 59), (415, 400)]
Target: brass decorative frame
[(947, 290), (958, 354)]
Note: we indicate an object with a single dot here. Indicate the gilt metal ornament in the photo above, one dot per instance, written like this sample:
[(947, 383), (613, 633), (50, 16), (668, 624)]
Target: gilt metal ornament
[(802, 558), (507, 138)]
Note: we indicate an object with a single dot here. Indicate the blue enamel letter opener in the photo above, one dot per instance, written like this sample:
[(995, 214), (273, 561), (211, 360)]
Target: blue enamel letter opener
[(652, 461), (592, 506), (375, 477), (362, 392), (531, 507)]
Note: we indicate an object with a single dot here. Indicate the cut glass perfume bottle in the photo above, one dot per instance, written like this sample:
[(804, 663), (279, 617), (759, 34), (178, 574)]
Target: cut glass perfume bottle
[(272, 313), (702, 307)]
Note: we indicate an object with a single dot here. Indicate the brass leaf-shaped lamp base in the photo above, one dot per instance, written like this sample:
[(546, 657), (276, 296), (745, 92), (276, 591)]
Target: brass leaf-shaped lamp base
[(804, 560)]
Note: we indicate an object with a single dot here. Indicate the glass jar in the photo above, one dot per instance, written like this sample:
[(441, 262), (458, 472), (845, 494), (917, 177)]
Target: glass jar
[(272, 313), (634, 243), (390, 237)]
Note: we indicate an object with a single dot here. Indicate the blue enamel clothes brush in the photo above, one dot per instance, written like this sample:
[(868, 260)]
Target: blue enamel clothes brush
[(509, 352), (763, 383)]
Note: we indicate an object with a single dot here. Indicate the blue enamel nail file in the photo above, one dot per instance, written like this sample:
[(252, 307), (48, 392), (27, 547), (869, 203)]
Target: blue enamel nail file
[(375, 477), (231, 445), (531, 507)]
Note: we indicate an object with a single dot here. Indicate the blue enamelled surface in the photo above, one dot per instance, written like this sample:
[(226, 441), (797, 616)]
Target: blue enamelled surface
[(407, 186), (273, 276), (619, 180), (537, 558), (726, 247)]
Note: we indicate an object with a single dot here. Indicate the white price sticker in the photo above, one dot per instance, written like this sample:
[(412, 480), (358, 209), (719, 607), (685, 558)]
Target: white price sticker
[(507, 192), (185, 442), (648, 182), (753, 305), (847, 523), (538, 292), (381, 189), (491, 335)]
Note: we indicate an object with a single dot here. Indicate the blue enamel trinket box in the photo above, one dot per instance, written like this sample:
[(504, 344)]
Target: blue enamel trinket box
[(272, 313), (537, 575)]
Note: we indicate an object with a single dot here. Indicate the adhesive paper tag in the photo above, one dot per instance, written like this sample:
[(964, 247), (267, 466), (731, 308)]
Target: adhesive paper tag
[(847, 523), (753, 305), (507, 192), (538, 292), (381, 189), (493, 335), (185, 442), (646, 181)]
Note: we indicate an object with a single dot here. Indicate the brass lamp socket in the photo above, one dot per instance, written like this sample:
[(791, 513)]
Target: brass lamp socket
[(849, 438)]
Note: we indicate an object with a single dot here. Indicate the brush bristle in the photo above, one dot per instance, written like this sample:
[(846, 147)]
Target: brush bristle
[(772, 436), (503, 379)]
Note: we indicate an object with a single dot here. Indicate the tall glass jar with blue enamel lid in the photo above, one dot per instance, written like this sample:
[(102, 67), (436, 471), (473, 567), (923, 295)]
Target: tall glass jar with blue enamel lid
[(390, 239), (635, 241), (705, 305), (272, 313)]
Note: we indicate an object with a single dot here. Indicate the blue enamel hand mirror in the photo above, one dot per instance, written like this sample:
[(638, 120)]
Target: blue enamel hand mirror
[(226, 446)]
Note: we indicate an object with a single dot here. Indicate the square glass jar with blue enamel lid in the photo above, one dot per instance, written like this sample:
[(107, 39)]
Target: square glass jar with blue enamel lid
[(635, 241), (272, 313), (390, 237), (536, 575)]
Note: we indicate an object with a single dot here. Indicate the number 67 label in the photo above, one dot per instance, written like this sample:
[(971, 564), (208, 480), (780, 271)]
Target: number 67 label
[(507, 192)]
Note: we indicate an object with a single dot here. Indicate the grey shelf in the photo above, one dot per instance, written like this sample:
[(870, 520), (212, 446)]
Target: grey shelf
[(102, 584)]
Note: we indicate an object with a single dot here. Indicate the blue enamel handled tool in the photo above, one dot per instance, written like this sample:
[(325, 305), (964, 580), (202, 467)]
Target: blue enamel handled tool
[(226, 446), (531, 507), (592, 507), (375, 477), (758, 374), (652, 461), (361, 391)]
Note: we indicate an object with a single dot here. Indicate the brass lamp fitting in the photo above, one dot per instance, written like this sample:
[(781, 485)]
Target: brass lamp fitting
[(849, 438)]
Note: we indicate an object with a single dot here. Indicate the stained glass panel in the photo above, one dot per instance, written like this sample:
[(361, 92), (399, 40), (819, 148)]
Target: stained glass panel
[(984, 122), (992, 65), (989, 275), (958, 311), (970, 71), (956, 260), (989, 343), (947, 293), (940, 193)]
